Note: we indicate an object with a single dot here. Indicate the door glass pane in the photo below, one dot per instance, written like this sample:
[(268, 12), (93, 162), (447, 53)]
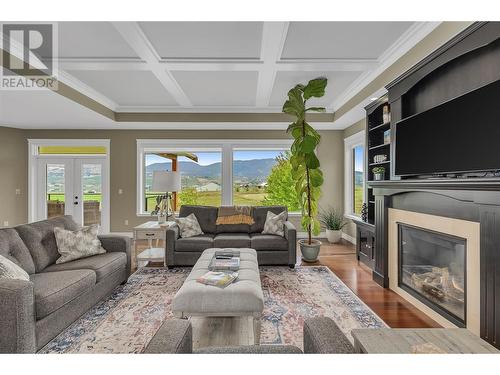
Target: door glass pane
[(92, 193), (55, 190)]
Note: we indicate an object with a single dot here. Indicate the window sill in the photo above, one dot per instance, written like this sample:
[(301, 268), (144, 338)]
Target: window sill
[(352, 217)]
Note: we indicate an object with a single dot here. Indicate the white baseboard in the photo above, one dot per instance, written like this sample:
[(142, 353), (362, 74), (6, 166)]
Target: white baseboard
[(351, 239)]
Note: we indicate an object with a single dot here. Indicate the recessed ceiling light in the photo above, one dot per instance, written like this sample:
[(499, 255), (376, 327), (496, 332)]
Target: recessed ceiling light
[(373, 99)]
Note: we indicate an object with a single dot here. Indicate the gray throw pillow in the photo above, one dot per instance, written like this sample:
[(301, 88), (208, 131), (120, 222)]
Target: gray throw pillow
[(189, 226), (10, 270), (77, 244), (275, 223)]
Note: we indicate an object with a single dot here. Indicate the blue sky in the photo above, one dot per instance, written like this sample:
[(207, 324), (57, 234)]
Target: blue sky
[(207, 158), (358, 158)]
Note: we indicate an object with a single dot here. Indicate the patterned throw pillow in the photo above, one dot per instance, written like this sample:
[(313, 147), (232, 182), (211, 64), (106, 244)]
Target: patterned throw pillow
[(189, 226), (77, 244), (10, 270), (275, 223)]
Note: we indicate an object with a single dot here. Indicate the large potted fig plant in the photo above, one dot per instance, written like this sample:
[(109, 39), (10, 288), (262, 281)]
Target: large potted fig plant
[(306, 171)]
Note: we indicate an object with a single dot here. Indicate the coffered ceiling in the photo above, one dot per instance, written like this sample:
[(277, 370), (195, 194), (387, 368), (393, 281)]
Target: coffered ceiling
[(222, 67)]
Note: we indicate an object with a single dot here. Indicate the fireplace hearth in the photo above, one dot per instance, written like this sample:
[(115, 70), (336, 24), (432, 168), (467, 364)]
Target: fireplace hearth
[(432, 268)]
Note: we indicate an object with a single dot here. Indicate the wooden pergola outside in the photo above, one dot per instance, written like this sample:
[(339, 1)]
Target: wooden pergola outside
[(174, 158)]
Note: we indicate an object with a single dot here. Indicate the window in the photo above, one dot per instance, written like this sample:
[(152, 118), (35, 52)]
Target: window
[(200, 177), (354, 174), (263, 178), (218, 172)]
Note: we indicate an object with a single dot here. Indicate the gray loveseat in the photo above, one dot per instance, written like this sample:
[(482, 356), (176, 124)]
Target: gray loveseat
[(271, 249), (34, 312)]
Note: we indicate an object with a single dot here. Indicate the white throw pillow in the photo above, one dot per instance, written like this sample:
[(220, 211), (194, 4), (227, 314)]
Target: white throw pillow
[(10, 270), (189, 226), (77, 244), (275, 223)]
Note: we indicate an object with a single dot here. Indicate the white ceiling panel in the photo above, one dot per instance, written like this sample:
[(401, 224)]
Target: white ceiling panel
[(337, 83), (209, 40), (127, 88), (92, 40), (341, 40), (218, 88)]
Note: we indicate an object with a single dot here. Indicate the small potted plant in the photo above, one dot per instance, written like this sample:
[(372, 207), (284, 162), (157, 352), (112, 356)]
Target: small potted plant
[(378, 173), (333, 222)]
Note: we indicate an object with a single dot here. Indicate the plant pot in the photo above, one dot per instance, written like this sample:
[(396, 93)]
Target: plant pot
[(162, 218), (309, 252), (333, 235), (378, 176)]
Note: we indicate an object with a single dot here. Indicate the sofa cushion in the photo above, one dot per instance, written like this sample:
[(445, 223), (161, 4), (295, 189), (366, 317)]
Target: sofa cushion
[(78, 244), (197, 243), (10, 270), (232, 240), (260, 214), (103, 265), (233, 228), (53, 290), (40, 239), (13, 248), (268, 242), (206, 215)]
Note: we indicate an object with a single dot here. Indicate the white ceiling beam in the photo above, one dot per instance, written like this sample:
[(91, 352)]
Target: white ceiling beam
[(102, 64), (135, 37), (273, 40)]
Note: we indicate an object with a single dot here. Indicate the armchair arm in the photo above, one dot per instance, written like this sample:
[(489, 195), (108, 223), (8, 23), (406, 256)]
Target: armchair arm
[(323, 336), (17, 316), (174, 336), (115, 243), (172, 236), (291, 236)]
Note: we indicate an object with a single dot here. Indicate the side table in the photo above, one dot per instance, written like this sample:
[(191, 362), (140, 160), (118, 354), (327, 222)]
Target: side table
[(150, 231)]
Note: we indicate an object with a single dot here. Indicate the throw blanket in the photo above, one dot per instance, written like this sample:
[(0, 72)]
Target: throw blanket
[(235, 215)]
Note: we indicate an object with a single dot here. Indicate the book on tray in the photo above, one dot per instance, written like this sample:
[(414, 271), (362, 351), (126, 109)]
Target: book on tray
[(220, 279)]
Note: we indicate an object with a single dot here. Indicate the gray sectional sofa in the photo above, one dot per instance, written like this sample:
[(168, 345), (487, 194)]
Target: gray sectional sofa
[(34, 312), (271, 249)]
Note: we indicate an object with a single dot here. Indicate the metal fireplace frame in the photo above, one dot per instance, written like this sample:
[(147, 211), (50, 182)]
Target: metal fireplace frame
[(434, 306)]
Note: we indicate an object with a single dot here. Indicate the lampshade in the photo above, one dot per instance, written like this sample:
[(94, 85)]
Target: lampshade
[(164, 181)]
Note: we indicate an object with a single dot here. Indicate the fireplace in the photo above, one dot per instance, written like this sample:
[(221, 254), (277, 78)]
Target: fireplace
[(432, 268), (434, 263)]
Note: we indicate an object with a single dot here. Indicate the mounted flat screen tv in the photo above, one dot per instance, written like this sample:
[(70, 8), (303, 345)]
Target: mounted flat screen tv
[(457, 137)]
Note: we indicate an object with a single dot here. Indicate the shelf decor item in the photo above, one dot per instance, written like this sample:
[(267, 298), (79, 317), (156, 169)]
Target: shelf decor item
[(379, 158), (378, 173), (387, 136), (168, 182), (386, 115), (306, 171), (333, 222)]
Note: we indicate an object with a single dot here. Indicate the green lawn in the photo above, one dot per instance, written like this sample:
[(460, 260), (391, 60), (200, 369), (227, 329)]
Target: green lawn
[(358, 199), (86, 197), (213, 198)]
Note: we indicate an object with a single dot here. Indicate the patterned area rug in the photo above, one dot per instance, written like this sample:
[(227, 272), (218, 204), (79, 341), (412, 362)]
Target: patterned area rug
[(129, 318)]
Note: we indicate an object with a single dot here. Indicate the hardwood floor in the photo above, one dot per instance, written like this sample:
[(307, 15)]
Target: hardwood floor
[(341, 259), (394, 310)]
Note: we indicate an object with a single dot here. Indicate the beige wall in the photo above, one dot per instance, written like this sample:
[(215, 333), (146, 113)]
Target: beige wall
[(14, 175), (123, 165)]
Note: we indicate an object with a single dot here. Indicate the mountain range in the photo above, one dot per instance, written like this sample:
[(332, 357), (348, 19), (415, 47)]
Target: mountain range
[(257, 169)]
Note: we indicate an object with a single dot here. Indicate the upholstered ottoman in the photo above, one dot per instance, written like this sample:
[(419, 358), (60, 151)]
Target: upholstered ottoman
[(243, 298)]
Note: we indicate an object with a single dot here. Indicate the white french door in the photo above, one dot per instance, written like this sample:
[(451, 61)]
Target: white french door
[(76, 186)]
